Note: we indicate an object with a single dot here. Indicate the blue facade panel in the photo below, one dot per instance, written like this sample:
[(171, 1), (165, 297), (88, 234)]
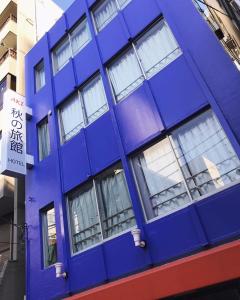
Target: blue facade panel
[(112, 38), (148, 12), (100, 138), (219, 215), (183, 88), (185, 96), (138, 118), (87, 63), (75, 162)]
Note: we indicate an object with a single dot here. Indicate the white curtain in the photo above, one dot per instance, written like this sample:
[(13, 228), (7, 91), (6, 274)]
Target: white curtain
[(156, 48), (105, 13), (43, 140), (205, 154), (117, 213), (162, 177), (125, 74), (123, 3), (71, 117), (62, 54), (80, 36), (40, 76), (94, 98), (49, 237), (85, 222)]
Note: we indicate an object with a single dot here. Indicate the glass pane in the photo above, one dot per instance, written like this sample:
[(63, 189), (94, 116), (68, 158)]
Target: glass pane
[(43, 140), (80, 36), (39, 76), (104, 13), (160, 180), (71, 117), (84, 219), (115, 205), (123, 3), (157, 48), (49, 237), (125, 75), (61, 54), (206, 157), (94, 98)]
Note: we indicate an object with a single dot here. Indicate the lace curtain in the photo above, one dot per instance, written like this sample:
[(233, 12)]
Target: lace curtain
[(80, 36), (157, 48), (105, 13), (206, 157), (94, 98), (125, 74), (85, 222), (115, 205), (71, 117), (43, 140)]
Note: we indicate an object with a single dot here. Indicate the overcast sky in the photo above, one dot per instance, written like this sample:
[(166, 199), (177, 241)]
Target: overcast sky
[(64, 4)]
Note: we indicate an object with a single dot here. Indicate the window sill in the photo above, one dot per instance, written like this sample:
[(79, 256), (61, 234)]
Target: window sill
[(104, 241)]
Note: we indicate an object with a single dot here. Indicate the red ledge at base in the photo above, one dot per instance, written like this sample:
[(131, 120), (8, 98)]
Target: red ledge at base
[(206, 268)]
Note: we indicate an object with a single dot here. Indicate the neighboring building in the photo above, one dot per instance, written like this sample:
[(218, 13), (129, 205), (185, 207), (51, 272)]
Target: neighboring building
[(232, 7), (222, 17), (135, 124), (19, 31)]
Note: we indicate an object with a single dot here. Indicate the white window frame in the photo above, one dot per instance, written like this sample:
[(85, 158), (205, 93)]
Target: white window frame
[(118, 8), (44, 235), (57, 69), (192, 200), (83, 21), (40, 65), (97, 199), (41, 123), (86, 123), (68, 37), (132, 45)]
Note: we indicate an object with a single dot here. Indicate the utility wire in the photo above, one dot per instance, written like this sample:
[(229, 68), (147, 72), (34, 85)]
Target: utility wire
[(214, 8)]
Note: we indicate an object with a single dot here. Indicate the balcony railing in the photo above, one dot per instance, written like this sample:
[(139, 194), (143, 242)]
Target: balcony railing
[(11, 17), (10, 53)]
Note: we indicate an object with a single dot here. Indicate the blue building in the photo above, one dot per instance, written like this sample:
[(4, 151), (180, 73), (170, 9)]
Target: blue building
[(136, 124)]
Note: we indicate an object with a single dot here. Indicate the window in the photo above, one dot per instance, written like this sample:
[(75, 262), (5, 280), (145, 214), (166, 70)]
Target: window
[(49, 236), (157, 48), (94, 99), (195, 160), (114, 202), (125, 75), (153, 51), (61, 54), (80, 36), (70, 117), (206, 157), (39, 76), (84, 218), (73, 42), (43, 139), (100, 209), (106, 11), (82, 108)]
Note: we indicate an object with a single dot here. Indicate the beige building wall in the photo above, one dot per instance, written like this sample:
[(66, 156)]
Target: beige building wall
[(231, 33), (35, 17), (22, 24)]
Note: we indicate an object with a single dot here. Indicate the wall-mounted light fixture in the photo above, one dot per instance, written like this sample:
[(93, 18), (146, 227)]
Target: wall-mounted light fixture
[(136, 233), (59, 270)]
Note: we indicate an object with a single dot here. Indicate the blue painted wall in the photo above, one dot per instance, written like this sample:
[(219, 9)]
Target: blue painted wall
[(202, 76)]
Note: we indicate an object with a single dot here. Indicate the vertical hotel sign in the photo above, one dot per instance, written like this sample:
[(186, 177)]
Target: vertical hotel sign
[(13, 154)]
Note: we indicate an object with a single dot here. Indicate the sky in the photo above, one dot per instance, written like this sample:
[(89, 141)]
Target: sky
[(64, 4)]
